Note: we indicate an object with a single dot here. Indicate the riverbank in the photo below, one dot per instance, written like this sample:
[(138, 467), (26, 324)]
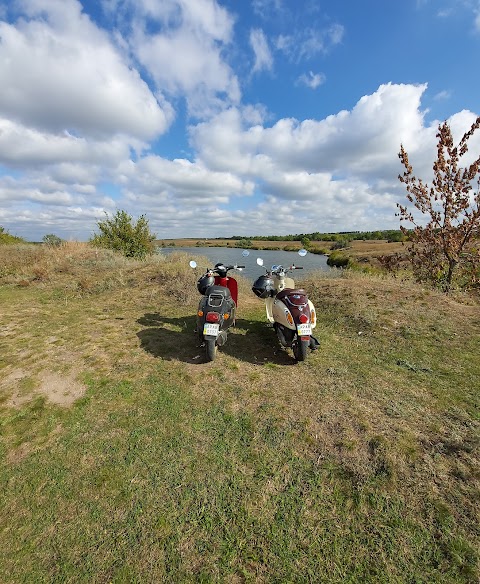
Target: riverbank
[(361, 251)]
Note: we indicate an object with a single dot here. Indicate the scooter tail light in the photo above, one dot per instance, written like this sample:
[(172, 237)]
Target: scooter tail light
[(212, 317), (303, 318), (289, 318)]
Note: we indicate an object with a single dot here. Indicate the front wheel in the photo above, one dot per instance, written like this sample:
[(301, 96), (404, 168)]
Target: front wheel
[(300, 349), (210, 349)]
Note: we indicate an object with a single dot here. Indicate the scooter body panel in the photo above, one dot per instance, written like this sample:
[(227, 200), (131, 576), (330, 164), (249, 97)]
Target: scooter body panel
[(280, 311), (282, 283), (216, 300), (271, 308), (229, 283), (282, 315)]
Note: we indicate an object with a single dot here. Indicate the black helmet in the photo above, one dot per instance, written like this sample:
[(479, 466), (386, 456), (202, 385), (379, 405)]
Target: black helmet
[(263, 287), (204, 282)]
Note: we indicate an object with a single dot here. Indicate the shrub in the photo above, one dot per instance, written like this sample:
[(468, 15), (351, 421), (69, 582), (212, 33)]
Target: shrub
[(120, 233), (6, 238), (305, 241), (338, 260), (244, 243), (52, 240), (341, 243)]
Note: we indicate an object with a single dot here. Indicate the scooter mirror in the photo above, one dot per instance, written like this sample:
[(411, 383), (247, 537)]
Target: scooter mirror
[(245, 253), (260, 261), (193, 264), (302, 252)]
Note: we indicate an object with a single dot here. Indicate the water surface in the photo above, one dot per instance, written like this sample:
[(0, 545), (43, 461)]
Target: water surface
[(231, 255)]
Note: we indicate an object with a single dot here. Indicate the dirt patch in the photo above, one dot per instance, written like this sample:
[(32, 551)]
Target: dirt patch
[(12, 382), (13, 378), (59, 388)]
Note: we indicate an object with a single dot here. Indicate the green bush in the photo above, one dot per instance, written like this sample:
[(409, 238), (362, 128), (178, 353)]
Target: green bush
[(341, 243), (52, 240), (338, 260), (244, 243), (305, 241), (120, 233), (6, 238)]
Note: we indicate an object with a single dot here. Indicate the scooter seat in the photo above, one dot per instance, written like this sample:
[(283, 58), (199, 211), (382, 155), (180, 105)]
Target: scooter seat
[(296, 296), (218, 291)]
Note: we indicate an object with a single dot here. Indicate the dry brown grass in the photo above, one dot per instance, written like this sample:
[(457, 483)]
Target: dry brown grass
[(78, 269)]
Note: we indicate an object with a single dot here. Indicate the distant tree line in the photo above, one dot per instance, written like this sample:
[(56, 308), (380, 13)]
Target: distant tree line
[(388, 234)]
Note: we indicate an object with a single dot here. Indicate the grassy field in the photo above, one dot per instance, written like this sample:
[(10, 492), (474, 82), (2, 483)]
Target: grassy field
[(127, 458)]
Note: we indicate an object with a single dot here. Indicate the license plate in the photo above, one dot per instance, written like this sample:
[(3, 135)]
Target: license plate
[(304, 330), (211, 329)]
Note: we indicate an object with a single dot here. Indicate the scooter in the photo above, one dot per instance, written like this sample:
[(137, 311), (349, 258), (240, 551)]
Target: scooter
[(216, 310), (288, 308)]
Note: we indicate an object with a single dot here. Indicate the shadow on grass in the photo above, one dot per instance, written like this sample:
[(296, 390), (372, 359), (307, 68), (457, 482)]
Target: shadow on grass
[(175, 339)]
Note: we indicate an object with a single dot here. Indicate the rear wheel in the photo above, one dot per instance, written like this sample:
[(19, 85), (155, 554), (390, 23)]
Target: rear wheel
[(210, 349), (300, 349)]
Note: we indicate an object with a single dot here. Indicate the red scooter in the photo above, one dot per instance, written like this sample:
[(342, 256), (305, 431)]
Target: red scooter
[(216, 310)]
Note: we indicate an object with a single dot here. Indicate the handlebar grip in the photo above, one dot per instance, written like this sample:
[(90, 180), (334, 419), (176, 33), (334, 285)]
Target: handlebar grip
[(299, 267), (240, 266)]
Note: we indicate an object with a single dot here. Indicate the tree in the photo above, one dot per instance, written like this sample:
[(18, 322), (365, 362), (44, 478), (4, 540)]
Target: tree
[(444, 249), (305, 241), (120, 233), (52, 240)]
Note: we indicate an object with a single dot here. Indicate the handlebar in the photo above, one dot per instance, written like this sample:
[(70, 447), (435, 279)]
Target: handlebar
[(280, 269), (218, 270)]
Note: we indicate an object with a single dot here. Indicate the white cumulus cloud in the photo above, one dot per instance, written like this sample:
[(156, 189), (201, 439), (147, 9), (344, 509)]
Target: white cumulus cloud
[(184, 54), (60, 71)]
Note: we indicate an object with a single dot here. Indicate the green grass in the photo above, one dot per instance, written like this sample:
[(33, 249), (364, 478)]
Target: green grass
[(145, 485), (359, 465)]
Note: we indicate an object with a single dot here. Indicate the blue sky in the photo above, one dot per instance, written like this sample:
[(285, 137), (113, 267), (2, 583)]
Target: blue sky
[(235, 117)]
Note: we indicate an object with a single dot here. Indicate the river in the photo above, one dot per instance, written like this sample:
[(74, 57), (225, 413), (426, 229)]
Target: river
[(231, 255)]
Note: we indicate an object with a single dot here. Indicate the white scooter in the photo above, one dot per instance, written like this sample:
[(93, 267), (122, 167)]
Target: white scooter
[(288, 308)]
